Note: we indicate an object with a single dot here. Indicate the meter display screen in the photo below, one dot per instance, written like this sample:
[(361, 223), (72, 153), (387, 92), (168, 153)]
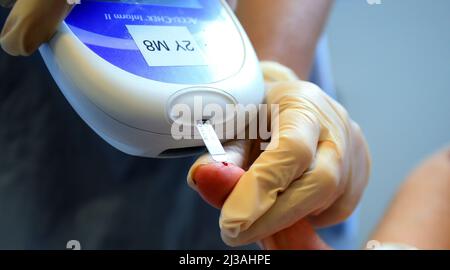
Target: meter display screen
[(172, 41)]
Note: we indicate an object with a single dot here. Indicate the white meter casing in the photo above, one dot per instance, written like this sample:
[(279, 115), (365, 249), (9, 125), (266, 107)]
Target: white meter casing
[(124, 64)]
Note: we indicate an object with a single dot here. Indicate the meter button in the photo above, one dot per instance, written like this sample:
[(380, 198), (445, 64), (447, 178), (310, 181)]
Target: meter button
[(188, 106)]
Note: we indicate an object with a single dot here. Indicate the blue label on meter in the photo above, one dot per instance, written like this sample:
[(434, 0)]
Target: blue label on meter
[(173, 41)]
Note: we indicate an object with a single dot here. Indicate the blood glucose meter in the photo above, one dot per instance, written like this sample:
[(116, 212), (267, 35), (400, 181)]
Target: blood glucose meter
[(123, 65)]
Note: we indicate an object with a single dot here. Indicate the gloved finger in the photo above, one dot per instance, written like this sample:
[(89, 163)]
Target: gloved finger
[(275, 72), (346, 204), (31, 23), (312, 192), (291, 151), (237, 154)]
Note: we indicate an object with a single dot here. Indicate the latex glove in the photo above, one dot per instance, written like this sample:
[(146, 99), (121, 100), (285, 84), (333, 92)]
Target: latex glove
[(31, 23), (216, 181), (318, 169)]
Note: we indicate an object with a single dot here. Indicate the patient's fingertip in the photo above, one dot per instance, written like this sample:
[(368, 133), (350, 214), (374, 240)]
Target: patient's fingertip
[(215, 181)]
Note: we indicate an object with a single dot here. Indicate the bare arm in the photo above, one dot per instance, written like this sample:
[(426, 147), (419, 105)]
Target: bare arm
[(285, 31), (420, 213)]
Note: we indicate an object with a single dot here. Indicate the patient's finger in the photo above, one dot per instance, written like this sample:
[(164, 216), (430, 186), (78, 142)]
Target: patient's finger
[(215, 181)]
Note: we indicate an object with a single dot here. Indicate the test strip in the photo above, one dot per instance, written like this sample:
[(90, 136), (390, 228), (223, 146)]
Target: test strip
[(211, 141)]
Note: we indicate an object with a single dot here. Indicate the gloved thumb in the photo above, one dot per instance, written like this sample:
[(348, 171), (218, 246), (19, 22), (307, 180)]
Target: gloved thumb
[(31, 23), (215, 181)]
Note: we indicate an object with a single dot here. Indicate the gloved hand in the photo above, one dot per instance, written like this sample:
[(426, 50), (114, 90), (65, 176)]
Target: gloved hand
[(216, 181), (317, 166), (31, 23)]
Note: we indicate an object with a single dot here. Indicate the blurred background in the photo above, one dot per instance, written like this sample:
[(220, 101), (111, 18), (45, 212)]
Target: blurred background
[(391, 64)]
